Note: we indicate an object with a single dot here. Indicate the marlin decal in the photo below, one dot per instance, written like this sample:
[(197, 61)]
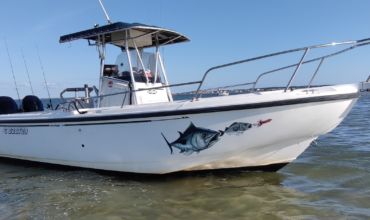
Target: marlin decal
[(194, 139)]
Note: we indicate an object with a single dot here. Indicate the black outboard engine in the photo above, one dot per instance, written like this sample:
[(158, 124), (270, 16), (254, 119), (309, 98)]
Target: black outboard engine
[(7, 105), (32, 103)]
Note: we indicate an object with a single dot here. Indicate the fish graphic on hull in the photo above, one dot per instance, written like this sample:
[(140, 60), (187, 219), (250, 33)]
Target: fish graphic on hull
[(237, 128), (196, 139)]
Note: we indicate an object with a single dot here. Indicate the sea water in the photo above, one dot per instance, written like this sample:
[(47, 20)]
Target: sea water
[(331, 180)]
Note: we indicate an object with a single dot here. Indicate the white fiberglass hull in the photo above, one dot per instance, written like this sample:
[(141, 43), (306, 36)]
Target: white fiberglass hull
[(215, 133)]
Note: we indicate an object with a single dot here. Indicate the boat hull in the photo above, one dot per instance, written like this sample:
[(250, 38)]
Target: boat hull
[(187, 138)]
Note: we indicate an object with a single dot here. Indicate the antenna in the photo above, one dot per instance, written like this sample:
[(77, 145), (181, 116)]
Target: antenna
[(105, 12), (11, 66), (28, 74), (43, 73)]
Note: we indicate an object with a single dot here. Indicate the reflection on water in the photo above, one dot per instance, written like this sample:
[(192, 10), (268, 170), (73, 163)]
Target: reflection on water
[(329, 181)]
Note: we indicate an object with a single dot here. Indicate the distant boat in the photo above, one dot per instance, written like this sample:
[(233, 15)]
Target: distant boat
[(133, 124)]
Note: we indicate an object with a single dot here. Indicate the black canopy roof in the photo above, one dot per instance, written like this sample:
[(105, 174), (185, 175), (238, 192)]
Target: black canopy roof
[(115, 34)]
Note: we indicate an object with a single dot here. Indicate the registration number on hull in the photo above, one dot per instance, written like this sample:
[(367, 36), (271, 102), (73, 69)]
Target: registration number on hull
[(15, 131)]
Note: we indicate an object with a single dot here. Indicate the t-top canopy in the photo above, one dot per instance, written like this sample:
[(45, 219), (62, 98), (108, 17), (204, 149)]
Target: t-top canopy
[(117, 33)]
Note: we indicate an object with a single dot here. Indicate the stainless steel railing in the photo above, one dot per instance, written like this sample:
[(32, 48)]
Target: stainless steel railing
[(77, 103), (353, 45)]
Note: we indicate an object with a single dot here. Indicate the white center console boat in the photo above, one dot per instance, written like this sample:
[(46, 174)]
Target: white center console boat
[(133, 124)]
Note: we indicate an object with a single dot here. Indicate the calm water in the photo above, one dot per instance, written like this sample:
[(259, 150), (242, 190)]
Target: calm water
[(331, 180)]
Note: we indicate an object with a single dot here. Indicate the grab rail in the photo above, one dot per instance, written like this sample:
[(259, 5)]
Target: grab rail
[(73, 101), (85, 89), (357, 43)]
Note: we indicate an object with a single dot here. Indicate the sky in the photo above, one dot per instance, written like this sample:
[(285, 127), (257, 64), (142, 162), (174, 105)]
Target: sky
[(220, 32)]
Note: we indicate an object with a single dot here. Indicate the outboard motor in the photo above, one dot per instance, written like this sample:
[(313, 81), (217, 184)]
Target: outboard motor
[(7, 105), (32, 103)]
